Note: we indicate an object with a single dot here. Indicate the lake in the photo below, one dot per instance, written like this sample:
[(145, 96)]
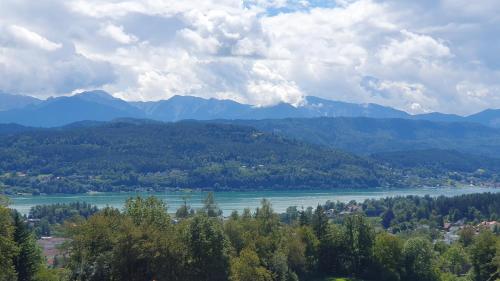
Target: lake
[(238, 200)]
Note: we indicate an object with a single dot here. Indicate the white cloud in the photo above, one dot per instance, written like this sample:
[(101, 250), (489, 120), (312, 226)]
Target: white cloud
[(413, 47), (27, 36), (116, 33), (258, 51), (412, 97)]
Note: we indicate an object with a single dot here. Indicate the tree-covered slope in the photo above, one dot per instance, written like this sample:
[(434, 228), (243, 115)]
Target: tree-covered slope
[(125, 155), (370, 135), (438, 161)]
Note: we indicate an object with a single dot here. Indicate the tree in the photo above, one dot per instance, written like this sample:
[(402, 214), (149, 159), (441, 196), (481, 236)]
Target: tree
[(482, 253), (149, 211), (418, 260), (279, 266), (210, 208), (387, 218), (320, 222), (266, 218), (466, 235), (311, 243), (359, 236), (29, 259), (184, 210), (247, 267), (208, 249), (455, 260), (305, 216), (332, 251), (8, 247), (296, 249), (387, 254), (92, 245)]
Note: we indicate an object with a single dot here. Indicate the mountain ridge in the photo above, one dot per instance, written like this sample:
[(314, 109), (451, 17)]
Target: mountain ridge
[(101, 106)]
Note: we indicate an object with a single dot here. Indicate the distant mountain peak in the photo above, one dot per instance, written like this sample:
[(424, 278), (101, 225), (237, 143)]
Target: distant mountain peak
[(95, 94), (100, 105), (12, 101)]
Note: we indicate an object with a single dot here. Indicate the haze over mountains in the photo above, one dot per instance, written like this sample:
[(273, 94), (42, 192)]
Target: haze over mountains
[(101, 106), (98, 142)]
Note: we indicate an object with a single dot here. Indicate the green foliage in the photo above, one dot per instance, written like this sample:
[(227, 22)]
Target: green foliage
[(147, 212), (28, 260), (370, 135), (8, 248), (320, 222), (483, 252), (247, 267), (208, 248), (55, 214), (50, 274), (20, 256), (403, 214), (455, 260), (125, 156), (358, 236), (142, 242), (210, 208), (418, 260), (387, 255)]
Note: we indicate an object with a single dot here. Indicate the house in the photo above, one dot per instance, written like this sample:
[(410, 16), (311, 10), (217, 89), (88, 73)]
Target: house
[(488, 225), (447, 226), (330, 213)]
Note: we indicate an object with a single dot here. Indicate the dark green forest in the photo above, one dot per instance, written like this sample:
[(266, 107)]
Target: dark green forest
[(122, 156), (144, 241), (366, 136)]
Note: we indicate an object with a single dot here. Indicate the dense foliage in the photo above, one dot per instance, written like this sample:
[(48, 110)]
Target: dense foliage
[(403, 214), (370, 135), (20, 256), (260, 246), (125, 156), (459, 166), (135, 154), (144, 242), (48, 216)]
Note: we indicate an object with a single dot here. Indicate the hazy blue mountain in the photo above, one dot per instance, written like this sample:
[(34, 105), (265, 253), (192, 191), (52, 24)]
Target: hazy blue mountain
[(189, 107), (439, 117), (103, 98), (96, 106), (318, 107), (489, 117), (101, 106), (370, 135), (9, 101)]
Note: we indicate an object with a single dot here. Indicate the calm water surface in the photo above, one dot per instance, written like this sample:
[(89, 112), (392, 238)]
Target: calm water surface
[(238, 200)]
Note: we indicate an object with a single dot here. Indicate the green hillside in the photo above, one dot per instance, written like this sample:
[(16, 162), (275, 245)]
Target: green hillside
[(369, 135), (128, 155)]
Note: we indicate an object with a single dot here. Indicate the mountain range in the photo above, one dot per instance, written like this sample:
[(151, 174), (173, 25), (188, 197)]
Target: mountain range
[(101, 106)]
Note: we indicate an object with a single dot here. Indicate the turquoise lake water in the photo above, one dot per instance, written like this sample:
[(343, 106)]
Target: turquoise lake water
[(238, 200)]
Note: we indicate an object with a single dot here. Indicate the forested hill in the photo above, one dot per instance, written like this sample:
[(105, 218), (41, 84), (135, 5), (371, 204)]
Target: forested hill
[(125, 156), (437, 161), (370, 135)]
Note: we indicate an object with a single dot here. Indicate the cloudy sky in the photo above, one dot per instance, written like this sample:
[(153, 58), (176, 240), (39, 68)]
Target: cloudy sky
[(419, 56)]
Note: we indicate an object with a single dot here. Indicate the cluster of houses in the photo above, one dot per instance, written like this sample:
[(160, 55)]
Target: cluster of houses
[(349, 209), (452, 230)]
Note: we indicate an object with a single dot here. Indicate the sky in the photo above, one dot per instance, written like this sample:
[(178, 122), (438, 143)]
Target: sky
[(418, 56)]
